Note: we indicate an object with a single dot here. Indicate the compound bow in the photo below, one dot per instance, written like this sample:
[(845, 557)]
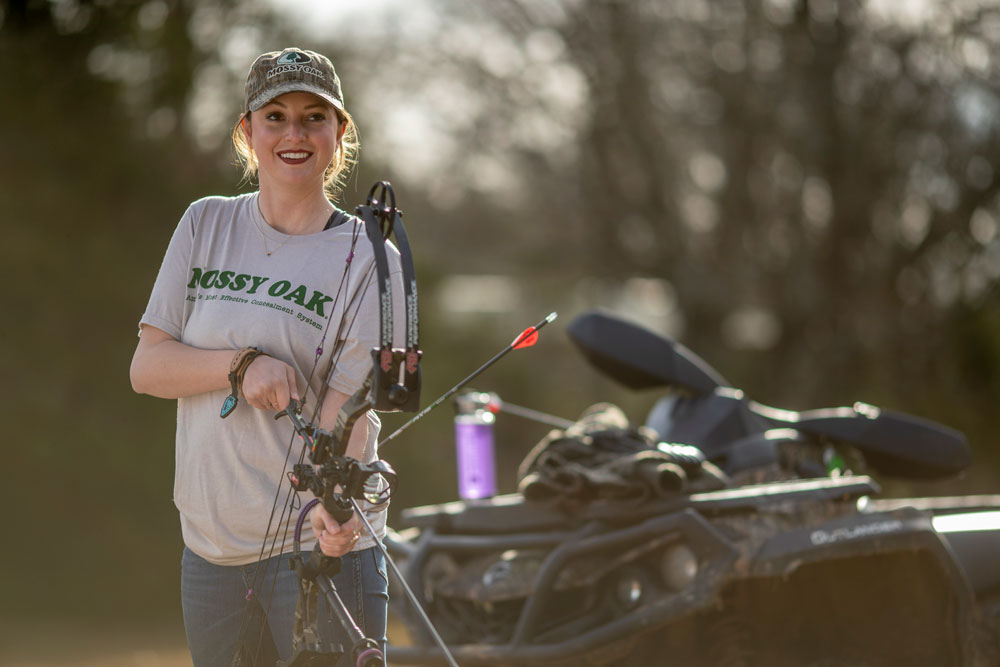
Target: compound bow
[(337, 480)]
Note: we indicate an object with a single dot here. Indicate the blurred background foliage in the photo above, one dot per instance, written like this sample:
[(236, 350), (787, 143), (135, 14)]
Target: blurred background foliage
[(804, 192)]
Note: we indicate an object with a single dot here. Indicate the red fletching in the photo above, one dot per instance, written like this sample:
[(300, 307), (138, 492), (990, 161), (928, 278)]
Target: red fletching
[(527, 338)]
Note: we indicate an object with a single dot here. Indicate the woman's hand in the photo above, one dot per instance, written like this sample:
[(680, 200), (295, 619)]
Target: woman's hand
[(335, 539), (269, 384)]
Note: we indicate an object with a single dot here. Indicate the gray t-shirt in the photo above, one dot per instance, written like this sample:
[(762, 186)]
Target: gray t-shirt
[(218, 289)]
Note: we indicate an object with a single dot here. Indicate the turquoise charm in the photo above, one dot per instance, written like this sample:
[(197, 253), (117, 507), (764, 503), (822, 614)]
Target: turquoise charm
[(228, 406)]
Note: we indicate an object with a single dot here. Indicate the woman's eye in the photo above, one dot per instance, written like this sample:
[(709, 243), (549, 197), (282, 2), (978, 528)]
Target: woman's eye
[(274, 115), (317, 117)]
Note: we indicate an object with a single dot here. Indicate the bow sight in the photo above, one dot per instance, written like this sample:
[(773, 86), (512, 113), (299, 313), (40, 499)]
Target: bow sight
[(333, 477)]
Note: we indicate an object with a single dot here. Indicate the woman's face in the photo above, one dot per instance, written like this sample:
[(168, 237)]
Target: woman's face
[(294, 137)]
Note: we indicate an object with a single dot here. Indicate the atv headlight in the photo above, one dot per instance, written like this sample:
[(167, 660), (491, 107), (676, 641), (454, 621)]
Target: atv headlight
[(678, 567), (438, 568), (630, 589)]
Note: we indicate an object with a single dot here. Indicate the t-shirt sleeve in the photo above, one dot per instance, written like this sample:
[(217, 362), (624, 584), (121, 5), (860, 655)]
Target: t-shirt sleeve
[(165, 309)]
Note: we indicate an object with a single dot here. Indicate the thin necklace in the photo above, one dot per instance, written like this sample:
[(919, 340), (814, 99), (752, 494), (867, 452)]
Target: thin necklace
[(263, 237)]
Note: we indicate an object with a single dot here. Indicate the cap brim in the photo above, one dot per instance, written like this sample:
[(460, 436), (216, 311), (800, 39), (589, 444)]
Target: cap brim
[(293, 87)]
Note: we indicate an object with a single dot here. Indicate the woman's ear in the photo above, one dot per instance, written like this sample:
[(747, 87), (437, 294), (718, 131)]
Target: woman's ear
[(245, 124)]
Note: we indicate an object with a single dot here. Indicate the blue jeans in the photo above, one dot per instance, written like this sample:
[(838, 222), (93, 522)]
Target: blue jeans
[(221, 618)]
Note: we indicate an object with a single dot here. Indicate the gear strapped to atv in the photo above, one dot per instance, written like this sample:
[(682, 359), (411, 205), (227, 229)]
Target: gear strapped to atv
[(602, 458)]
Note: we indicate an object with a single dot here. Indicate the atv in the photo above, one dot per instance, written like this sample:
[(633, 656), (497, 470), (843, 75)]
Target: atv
[(720, 532)]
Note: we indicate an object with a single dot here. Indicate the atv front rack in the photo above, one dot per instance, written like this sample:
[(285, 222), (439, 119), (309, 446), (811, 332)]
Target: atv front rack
[(510, 513)]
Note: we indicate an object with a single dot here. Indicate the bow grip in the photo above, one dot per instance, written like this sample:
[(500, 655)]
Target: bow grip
[(339, 508)]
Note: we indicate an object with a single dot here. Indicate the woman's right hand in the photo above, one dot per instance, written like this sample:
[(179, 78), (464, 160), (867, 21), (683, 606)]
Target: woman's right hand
[(269, 384), (335, 539)]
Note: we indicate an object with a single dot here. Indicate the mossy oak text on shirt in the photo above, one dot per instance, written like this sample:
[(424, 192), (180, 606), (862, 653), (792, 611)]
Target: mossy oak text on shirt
[(248, 284)]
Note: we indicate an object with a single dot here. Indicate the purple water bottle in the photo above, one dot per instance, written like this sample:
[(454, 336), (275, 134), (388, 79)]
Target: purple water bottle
[(474, 446)]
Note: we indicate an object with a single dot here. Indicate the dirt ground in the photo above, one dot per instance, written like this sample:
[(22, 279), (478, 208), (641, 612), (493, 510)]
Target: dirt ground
[(149, 657), (34, 647)]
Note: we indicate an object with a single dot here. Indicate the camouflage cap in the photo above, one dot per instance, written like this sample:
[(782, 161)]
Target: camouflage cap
[(291, 70)]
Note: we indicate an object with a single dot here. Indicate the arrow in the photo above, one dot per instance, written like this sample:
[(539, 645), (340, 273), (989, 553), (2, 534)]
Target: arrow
[(525, 339)]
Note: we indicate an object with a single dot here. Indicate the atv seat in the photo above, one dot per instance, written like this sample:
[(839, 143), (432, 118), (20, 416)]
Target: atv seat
[(895, 444)]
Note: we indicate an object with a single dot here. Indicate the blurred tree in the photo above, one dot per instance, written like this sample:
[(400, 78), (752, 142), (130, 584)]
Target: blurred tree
[(807, 188), (116, 116), (98, 132), (815, 179)]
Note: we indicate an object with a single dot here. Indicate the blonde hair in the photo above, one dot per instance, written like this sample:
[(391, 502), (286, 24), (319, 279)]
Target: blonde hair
[(335, 176)]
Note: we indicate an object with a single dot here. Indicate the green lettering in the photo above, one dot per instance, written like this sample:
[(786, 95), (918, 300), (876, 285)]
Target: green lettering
[(195, 277), (208, 278), (239, 282), (317, 302), (257, 282), (279, 288), (298, 295), (224, 278)]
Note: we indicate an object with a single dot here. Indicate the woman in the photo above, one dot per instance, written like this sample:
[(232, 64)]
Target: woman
[(242, 298)]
